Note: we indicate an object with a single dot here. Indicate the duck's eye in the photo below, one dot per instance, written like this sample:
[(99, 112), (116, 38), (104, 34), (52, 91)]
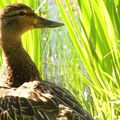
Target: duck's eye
[(22, 13)]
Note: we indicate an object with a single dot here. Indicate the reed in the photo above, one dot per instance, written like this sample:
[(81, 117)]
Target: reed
[(95, 37)]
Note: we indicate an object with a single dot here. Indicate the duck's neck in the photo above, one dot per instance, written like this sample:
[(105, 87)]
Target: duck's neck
[(17, 67)]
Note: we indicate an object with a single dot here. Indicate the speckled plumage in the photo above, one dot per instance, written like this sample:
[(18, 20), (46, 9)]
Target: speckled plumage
[(23, 94)]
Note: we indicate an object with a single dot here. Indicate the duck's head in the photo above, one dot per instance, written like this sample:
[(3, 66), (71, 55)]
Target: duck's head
[(17, 65), (18, 18)]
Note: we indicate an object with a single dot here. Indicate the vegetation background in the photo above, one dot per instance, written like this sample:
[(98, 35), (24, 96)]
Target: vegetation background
[(84, 55)]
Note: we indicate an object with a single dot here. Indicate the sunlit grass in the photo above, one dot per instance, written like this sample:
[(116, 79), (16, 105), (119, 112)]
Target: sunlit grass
[(96, 42)]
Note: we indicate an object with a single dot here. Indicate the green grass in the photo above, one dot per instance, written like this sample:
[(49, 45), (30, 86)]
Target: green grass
[(96, 41), (84, 55)]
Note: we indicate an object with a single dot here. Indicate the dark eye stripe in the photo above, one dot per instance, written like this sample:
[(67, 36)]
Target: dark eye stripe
[(20, 14)]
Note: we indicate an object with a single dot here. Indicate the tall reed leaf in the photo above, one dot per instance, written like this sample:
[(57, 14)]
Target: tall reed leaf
[(96, 42)]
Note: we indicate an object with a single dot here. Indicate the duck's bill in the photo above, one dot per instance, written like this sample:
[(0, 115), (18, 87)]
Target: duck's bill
[(44, 23)]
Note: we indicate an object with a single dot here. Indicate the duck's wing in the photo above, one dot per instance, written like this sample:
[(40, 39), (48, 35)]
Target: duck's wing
[(40, 101)]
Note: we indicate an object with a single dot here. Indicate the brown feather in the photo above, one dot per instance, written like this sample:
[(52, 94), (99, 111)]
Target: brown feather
[(23, 94)]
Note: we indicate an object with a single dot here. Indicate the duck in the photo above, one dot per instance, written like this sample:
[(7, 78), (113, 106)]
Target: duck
[(24, 95)]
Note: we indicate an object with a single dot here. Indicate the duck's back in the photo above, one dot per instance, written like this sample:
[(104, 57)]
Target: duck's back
[(39, 101)]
